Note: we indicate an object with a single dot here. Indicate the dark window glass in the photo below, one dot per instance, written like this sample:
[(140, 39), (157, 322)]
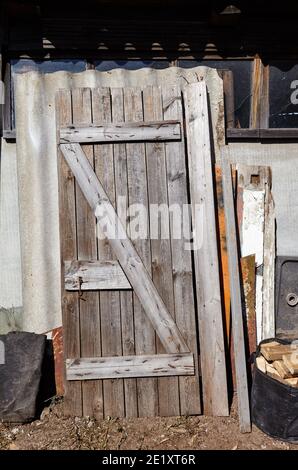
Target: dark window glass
[(283, 95), (47, 66), (242, 84), (106, 65)]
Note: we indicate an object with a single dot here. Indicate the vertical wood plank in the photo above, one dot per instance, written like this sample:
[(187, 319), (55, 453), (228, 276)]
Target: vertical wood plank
[(126, 298), (87, 250), (168, 388), (138, 194), (68, 248), (190, 402), (268, 324), (212, 348), (110, 300), (236, 302)]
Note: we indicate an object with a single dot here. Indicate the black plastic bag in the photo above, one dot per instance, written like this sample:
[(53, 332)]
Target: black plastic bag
[(274, 405), (20, 373)]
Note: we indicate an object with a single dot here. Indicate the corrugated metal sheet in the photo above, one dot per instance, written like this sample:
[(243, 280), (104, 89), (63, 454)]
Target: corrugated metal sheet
[(37, 171), (10, 261)]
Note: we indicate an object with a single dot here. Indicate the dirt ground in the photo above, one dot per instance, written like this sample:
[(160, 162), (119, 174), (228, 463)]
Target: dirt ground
[(53, 431)]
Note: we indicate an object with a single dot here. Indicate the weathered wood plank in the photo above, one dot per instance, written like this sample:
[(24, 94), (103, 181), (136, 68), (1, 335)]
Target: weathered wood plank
[(68, 248), (145, 338), (126, 298), (94, 275), (212, 348), (168, 388), (236, 301), (268, 320), (185, 314), (114, 403), (130, 366), (122, 132), (87, 249)]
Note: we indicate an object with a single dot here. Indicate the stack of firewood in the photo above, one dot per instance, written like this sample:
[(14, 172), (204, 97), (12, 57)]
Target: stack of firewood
[(280, 361)]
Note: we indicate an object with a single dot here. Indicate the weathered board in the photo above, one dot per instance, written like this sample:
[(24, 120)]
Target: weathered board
[(122, 132), (236, 300), (157, 319)]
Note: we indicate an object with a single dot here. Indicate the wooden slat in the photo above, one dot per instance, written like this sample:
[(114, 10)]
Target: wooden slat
[(130, 366), (236, 301), (282, 369), (114, 401), (145, 338), (87, 249), (94, 275), (68, 247), (168, 388), (212, 348), (122, 132), (183, 282), (127, 256), (126, 298)]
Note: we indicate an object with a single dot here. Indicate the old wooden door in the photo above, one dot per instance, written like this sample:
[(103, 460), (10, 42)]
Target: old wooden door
[(129, 316)]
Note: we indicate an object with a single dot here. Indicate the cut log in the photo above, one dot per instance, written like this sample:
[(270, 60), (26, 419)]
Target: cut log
[(293, 382), (291, 362), (282, 369)]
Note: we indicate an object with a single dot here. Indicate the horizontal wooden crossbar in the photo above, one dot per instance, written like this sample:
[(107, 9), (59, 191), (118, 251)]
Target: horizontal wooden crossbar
[(122, 132), (94, 275), (130, 366)]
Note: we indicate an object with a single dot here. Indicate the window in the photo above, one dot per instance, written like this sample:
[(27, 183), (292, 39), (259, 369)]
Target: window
[(240, 99), (283, 95)]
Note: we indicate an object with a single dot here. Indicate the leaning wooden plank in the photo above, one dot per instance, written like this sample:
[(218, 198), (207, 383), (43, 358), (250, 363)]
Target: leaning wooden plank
[(130, 366), (291, 362), (212, 349), (126, 297), (94, 275), (261, 363), (122, 132), (128, 258), (236, 300)]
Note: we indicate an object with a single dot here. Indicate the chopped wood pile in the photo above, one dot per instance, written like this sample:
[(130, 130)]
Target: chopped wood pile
[(279, 361)]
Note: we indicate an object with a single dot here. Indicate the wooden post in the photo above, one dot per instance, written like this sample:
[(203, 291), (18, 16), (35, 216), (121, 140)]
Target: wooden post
[(236, 301)]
